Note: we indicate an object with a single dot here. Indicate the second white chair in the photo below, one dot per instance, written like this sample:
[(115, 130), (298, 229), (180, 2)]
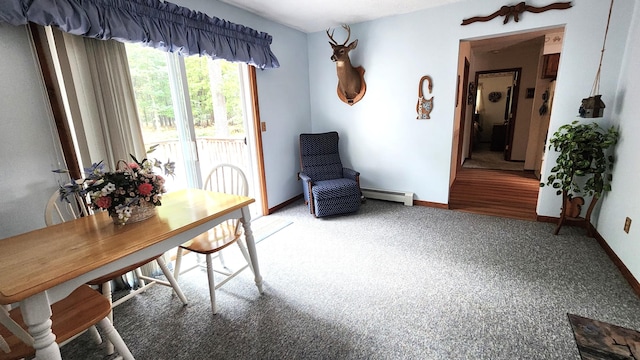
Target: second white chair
[(229, 179)]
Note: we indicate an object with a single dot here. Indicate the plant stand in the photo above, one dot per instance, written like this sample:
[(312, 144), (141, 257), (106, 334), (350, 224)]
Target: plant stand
[(571, 210)]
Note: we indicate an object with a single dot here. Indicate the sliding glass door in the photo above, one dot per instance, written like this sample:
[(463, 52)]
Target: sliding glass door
[(197, 111)]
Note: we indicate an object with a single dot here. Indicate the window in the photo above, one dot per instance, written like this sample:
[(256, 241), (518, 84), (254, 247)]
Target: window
[(194, 109)]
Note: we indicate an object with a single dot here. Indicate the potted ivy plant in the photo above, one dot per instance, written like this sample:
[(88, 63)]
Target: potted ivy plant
[(583, 166)]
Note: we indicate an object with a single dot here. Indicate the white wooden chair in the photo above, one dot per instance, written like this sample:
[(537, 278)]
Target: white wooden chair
[(229, 179), (82, 309), (58, 211)]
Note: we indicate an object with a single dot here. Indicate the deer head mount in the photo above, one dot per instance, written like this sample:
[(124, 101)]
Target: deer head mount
[(351, 85)]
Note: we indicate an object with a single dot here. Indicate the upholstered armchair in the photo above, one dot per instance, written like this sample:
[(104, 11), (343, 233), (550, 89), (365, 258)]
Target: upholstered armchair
[(329, 188)]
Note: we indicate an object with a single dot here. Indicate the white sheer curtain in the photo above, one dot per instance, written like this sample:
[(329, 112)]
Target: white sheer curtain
[(101, 100), (101, 103)]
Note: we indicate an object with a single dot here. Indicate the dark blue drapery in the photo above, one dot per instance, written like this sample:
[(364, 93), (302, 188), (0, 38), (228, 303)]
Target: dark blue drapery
[(159, 24)]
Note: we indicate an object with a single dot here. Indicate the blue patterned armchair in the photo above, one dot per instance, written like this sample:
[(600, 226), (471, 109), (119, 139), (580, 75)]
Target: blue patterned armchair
[(329, 189)]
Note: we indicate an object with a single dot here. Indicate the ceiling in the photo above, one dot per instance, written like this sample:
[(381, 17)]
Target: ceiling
[(317, 15)]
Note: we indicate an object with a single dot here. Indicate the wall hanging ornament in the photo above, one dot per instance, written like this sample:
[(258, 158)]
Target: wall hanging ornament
[(424, 105), (593, 106), (495, 96), (516, 10), (351, 85), (471, 94)]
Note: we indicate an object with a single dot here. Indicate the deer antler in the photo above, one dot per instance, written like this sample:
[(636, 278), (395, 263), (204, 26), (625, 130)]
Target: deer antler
[(331, 37), (346, 27)]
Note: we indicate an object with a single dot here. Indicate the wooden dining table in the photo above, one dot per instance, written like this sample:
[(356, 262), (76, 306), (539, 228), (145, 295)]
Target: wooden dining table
[(43, 266)]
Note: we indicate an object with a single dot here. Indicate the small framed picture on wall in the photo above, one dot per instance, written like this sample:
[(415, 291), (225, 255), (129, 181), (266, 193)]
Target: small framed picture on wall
[(530, 93)]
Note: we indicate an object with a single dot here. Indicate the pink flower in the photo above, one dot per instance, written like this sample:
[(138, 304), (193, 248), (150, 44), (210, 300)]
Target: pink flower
[(103, 202), (133, 166), (145, 189)]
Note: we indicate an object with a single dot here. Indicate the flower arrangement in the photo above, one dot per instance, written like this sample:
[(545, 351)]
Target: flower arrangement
[(131, 184)]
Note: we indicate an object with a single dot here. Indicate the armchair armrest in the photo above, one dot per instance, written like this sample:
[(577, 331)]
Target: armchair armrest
[(304, 177), (350, 174), (307, 183)]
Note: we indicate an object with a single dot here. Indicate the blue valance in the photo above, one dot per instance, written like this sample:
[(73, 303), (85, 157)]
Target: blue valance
[(159, 24)]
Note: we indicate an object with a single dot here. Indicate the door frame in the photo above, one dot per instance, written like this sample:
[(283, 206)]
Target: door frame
[(514, 105), (463, 111)]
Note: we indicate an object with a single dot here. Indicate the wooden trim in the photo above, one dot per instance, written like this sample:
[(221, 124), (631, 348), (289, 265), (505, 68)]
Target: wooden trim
[(633, 282), (284, 204), (616, 260), (55, 99), (555, 220), (431, 204), (257, 129), (547, 219)]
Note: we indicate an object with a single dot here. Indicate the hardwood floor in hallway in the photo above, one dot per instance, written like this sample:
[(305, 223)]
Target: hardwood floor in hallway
[(512, 194)]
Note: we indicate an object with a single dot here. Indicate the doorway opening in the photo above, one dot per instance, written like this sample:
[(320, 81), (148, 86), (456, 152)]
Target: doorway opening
[(509, 82), (494, 120)]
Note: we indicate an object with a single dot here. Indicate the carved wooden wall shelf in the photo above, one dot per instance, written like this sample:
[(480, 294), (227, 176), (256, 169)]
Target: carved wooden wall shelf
[(516, 10)]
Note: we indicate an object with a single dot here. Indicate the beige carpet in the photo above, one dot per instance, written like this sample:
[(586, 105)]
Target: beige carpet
[(483, 158), (265, 226)]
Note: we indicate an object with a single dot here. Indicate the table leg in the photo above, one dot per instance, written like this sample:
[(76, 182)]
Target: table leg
[(251, 246), (107, 292), (36, 312)]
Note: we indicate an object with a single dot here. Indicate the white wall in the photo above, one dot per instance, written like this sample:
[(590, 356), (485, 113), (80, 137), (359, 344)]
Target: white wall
[(26, 140), (624, 199)]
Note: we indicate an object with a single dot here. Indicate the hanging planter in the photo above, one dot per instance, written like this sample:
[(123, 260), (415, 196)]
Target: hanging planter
[(593, 106)]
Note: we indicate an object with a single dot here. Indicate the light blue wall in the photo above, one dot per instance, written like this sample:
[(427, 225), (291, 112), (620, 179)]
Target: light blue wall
[(383, 139)]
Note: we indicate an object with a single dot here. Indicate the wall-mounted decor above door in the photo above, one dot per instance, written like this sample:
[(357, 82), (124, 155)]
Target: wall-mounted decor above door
[(424, 106), (515, 11)]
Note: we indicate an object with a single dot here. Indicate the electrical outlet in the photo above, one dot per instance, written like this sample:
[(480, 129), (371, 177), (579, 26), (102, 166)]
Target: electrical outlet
[(627, 224), (263, 126)]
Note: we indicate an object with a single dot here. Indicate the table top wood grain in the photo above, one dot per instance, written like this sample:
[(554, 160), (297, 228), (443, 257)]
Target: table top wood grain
[(38, 260)]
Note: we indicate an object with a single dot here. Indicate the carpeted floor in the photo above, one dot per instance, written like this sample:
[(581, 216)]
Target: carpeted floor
[(389, 282)]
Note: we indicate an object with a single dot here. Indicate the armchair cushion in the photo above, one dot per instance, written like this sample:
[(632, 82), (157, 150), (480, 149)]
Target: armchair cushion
[(336, 196), (335, 188)]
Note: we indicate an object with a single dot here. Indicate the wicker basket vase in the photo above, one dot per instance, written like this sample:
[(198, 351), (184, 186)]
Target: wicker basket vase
[(138, 213)]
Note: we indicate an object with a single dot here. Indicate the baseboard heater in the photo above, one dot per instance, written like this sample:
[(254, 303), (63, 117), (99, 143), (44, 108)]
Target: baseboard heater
[(388, 195)]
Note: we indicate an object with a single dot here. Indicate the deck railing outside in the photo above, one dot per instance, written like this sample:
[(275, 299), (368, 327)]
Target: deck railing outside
[(211, 152)]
